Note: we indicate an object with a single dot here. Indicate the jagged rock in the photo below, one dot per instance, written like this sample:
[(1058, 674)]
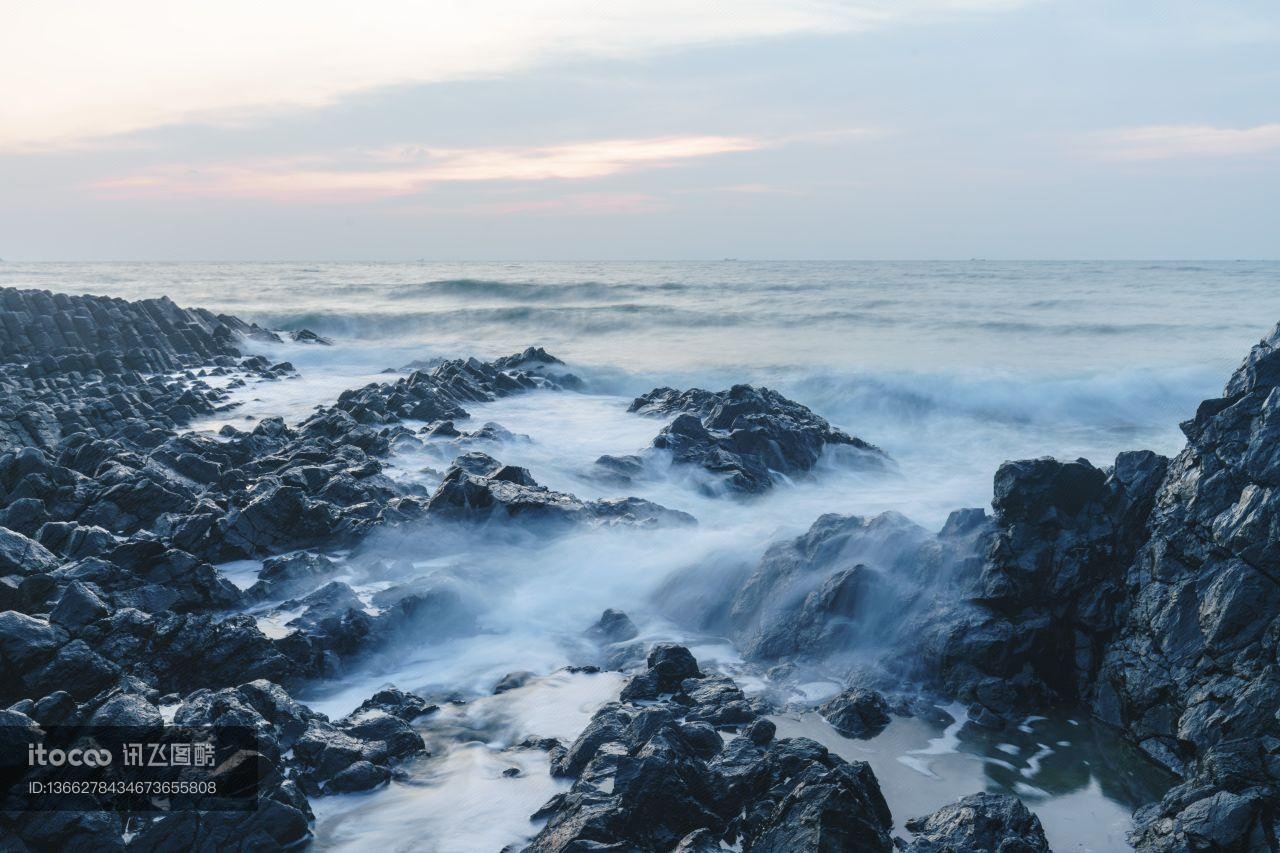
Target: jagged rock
[(849, 583), (20, 555), (74, 541), (79, 606), (478, 488), (1226, 803), (127, 710), (857, 713), (646, 777), (513, 681), (614, 626), (406, 706), (289, 574), (982, 823), (744, 435), (25, 644)]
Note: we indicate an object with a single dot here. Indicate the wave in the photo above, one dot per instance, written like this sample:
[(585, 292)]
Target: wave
[(582, 319), (1118, 401), (525, 291)]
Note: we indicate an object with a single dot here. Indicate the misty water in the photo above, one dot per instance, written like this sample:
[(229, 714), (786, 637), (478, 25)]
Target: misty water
[(949, 367)]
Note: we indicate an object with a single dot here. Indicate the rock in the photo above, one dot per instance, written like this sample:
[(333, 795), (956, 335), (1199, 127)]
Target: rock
[(78, 607), (614, 626), (745, 435), (669, 665), (513, 681), (277, 518), (26, 641), (406, 706), (360, 776), (760, 732), (857, 713), (477, 488), (74, 541), (648, 776), (129, 710), (20, 555), (78, 669), (998, 823)]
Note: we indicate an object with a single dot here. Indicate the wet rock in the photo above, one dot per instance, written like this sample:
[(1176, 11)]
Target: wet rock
[(406, 706), (513, 681), (77, 668), (1227, 802), (127, 710), (21, 555), (281, 821), (746, 436), (277, 518), (857, 713), (26, 641), (614, 626), (360, 776), (998, 823), (74, 541), (290, 574), (760, 732), (648, 776), (78, 607), (477, 488), (849, 582)]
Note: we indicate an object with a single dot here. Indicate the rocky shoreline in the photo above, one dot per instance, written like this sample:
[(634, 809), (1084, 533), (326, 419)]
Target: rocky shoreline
[(1147, 593)]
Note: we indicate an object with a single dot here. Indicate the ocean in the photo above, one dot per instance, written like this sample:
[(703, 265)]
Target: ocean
[(950, 367)]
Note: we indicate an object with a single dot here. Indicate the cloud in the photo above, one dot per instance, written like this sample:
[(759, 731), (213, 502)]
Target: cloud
[(407, 170), (1175, 141), (75, 72), (575, 203)]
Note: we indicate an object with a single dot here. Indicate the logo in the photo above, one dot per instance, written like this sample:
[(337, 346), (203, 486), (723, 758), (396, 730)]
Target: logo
[(38, 756)]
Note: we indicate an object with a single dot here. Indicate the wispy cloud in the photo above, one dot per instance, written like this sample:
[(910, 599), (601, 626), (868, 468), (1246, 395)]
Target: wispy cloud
[(1176, 141), (74, 72), (406, 170)]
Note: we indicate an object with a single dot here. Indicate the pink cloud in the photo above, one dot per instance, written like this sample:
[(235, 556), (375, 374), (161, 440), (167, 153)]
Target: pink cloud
[(409, 171)]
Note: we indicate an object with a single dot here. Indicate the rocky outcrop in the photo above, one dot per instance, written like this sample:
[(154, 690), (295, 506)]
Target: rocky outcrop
[(1193, 675), (478, 488), (440, 393), (658, 776), (857, 713), (746, 437), (62, 331), (981, 823), (1030, 626)]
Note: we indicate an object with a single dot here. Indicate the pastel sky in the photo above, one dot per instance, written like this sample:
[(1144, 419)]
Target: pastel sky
[(590, 129)]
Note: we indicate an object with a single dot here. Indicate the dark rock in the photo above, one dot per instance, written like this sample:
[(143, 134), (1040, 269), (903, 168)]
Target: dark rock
[(127, 710), (512, 681), (614, 626), (760, 732), (360, 776), (79, 606), (998, 823), (745, 435), (290, 574), (406, 706), (857, 713), (650, 777), (478, 488), (20, 555)]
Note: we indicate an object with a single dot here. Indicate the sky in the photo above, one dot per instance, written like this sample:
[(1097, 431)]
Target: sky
[(664, 129)]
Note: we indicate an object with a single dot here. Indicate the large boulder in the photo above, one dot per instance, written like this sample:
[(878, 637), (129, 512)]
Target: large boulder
[(978, 823), (478, 488), (746, 437), (651, 773)]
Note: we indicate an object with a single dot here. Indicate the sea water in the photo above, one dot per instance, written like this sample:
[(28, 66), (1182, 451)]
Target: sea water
[(949, 367)]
